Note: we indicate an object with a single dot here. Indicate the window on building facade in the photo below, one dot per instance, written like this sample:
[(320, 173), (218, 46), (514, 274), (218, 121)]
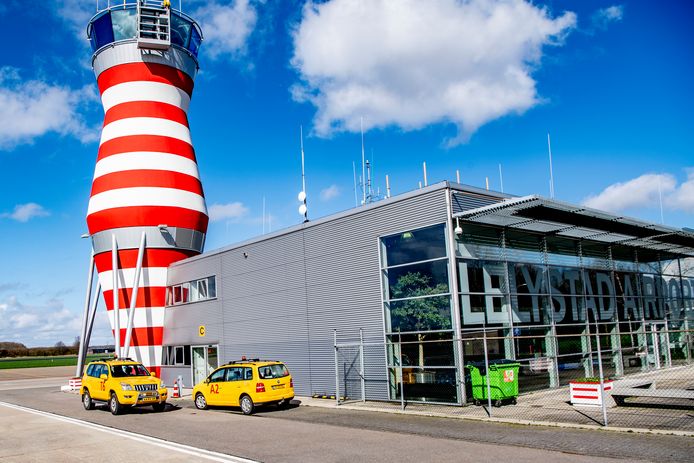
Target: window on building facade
[(417, 304), (192, 291), (176, 356)]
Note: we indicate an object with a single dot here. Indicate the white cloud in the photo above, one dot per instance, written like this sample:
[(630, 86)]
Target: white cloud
[(76, 15), (43, 324), (604, 16), (644, 192), (683, 197), (228, 211), (226, 26), (329, 193), (638, 192), (409, 63), (32, 108), (26, 212)]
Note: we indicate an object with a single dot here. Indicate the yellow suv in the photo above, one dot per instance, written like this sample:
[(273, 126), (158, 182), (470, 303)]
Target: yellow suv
[(121, 383), (246, 383)]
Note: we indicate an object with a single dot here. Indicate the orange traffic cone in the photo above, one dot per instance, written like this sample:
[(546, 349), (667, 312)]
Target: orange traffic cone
[(176, 393)]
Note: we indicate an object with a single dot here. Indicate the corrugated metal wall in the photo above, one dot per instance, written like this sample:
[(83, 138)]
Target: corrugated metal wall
[(284, 298), (464, 201)]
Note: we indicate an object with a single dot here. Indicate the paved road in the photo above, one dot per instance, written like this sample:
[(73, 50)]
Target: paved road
[(39, 437), (314, 434)]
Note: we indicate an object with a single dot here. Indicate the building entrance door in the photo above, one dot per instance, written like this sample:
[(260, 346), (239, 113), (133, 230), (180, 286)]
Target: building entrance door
[(205, 359)]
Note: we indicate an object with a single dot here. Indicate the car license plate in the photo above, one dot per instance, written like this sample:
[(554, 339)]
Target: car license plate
[(279, 386)]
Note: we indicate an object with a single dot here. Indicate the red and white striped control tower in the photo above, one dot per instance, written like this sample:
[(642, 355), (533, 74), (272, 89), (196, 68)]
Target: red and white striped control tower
[(147, 208)]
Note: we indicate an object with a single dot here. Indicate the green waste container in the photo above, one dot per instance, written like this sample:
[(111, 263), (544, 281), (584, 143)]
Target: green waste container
[(502, 377)]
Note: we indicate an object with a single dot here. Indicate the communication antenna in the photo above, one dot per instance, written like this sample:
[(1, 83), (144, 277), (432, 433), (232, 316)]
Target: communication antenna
[(424, 169), (457, 176), (486, 181), (354, 170), (303, 209), (501, 178), (551, 171), (363, 164), (369, 191), (387, 187)]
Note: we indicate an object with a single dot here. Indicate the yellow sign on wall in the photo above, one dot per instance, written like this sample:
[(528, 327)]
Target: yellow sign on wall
[(201, 330)]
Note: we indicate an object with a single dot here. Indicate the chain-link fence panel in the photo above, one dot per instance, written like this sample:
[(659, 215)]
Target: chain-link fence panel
[(635, 375)]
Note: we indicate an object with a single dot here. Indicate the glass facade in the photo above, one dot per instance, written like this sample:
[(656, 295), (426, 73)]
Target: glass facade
[(541, 300), (120, 23), (418, 311), (539, 281)]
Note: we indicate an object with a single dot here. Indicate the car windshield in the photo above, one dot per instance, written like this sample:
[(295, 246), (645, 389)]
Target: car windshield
[(122, 371), (277, 370)]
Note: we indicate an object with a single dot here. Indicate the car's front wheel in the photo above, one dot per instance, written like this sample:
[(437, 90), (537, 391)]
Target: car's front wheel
[(114, 405), (200, 402), (87, 400), (247, 405)]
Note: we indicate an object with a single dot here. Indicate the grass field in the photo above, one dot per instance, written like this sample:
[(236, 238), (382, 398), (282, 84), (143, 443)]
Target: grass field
[(35, 362)]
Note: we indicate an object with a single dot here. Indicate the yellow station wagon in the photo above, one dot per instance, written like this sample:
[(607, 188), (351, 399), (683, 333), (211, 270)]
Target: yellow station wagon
[(122, 383), (245, 384)]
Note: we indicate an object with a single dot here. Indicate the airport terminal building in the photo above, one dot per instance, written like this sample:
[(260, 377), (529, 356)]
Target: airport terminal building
[(421, 277)]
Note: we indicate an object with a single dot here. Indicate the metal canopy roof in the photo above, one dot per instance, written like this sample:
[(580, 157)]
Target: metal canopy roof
[(549, 217)]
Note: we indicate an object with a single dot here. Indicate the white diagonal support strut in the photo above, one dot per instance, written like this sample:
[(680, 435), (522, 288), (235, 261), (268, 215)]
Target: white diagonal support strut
[(85, 317), (92, 314), (114, 268), (133, 297)]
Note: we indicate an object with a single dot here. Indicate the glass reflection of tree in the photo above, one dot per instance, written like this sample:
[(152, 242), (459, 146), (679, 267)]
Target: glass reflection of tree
[(423, 314)]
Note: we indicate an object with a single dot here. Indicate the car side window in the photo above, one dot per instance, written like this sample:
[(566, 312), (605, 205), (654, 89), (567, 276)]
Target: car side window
[(103, 370), (90, 370), (235, 374), (248, 373), (218, 376)]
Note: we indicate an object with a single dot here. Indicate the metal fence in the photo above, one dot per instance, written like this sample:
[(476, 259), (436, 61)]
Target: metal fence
[(638, 376)]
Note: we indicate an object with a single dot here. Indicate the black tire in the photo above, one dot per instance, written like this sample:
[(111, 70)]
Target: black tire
[(113, 404), (87, 401), (514, 401), (247, 405), (497, 403), (200, 401), (478, 402), (159, 407)]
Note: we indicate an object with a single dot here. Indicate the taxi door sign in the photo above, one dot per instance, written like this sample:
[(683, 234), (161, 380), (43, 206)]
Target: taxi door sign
[(508, 376), (201, 330)]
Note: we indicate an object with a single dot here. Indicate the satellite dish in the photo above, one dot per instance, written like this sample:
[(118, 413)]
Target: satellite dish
[(303, 209), (302, 196)]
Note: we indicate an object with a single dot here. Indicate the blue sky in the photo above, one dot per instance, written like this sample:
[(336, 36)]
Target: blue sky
[(460, 85)]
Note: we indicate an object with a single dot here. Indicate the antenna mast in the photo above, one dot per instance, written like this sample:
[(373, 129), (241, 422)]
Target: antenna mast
[(303, 209), (354, 171), (501, 178), (551, 171), (363, 163)]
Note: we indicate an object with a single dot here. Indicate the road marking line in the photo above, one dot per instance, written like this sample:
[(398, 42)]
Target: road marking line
[(182, 448)]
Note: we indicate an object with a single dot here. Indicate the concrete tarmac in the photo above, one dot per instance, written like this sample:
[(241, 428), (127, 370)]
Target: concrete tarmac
[(29, 436), (314, 434)]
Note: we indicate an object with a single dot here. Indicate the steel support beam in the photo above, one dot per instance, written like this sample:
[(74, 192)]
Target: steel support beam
[(116, 314), (133, 298), (85, 318)]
